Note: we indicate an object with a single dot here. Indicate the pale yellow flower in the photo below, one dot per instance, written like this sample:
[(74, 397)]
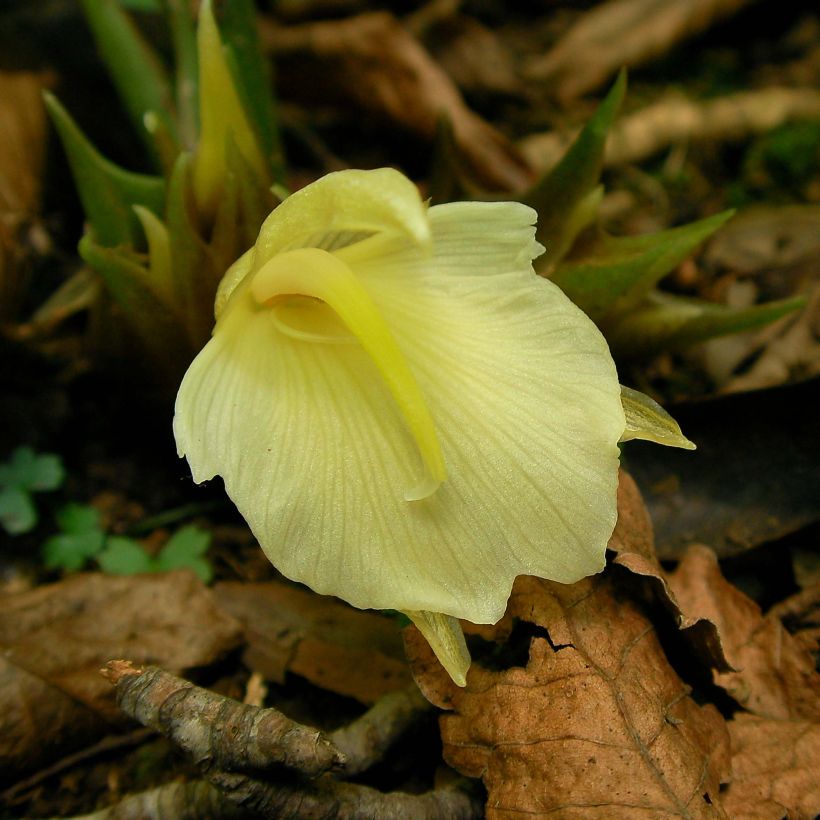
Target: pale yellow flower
[(405, 414)]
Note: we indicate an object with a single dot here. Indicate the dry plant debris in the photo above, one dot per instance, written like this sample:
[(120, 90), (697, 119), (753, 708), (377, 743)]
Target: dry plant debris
[(23, 137), (596, 699), (373, 63), (623, 33), (265, 764), (55, 638), (674, 120), (336, 647), (218, 732), (774, 769), (774, 676)]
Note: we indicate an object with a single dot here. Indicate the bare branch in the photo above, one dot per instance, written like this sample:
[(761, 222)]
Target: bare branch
[(328, 798), (365, 741), (218, 732)]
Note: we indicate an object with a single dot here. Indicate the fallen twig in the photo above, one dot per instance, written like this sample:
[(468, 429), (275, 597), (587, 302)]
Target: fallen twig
[(227, 739), (219, 732), (677, 119), (364, 741), (197, 800), (328, 798)]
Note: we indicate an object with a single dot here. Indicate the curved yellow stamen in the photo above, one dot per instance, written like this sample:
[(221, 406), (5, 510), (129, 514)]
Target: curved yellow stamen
[(317, 273)]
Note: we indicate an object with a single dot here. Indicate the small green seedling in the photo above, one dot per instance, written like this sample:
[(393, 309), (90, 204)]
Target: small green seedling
[(82, 539), (185, 549), (25, 473)]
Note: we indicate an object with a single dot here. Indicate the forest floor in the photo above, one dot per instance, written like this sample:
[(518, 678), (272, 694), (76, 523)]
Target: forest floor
[(681, 682)]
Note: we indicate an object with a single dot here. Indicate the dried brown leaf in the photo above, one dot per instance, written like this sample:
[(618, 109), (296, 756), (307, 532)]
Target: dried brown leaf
[(623, 33), (373, 63), (22, 135), (775, 676), (597, 724), (334, 646), (634, 545), (55, 638), (474, 57), (774, 769)]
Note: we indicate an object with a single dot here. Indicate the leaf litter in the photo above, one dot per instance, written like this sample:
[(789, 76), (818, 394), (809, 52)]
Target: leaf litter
[(595, 696), (55, 639)]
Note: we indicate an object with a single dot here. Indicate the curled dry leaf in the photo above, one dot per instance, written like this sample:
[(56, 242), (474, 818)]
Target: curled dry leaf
[(336, 647), (372, 62), (774, 769), (775, 676), (597, 724), (55, 638), (634, 544), (623, 33)]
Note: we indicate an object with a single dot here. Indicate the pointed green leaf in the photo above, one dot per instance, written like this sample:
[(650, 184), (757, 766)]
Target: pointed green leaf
[(145, 6), (667, 322), (195, 280), (647, 420), (186, 63), (562, 191), (107, 192), (135, 68), (237, 24), (159, 331), (616, 272)]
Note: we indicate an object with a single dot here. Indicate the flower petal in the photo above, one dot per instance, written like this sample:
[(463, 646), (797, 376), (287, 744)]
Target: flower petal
[(519, 383)]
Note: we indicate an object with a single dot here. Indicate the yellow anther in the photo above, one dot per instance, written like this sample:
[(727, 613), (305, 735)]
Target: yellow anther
[(321, 275)]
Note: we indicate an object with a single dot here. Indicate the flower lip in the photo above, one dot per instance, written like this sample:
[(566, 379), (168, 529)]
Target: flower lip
[(318, 274)]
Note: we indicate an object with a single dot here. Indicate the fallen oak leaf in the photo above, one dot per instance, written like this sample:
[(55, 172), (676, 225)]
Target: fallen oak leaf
[(775, 676), (774, 769), (596, 724), (633, 543), (334, 646), (55, 638)]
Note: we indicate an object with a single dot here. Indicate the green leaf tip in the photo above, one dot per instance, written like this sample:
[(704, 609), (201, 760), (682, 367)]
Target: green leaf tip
[(137, 71), (647, 420), (107, 192), (668, 322), (560, 195), (615, 273)]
